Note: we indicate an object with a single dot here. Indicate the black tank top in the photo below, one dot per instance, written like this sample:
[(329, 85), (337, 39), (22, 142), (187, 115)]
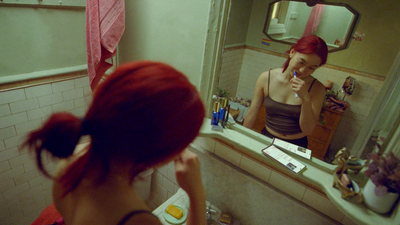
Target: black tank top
[(283, 118), (129, 215)]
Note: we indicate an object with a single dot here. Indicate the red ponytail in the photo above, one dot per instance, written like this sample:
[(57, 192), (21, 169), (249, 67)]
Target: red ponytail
[(59, 135)]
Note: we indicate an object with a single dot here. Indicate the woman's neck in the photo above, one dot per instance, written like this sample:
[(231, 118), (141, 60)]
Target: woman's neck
[(106, 202)]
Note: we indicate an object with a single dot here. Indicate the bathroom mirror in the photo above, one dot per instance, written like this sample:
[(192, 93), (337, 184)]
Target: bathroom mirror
[(244, 42), (288, 21)]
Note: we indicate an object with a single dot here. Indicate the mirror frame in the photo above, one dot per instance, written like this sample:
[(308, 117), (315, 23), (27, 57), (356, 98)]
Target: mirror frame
[(348, 36)]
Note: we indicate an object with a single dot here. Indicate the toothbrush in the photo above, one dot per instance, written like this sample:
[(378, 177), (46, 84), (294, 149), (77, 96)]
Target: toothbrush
[(295, 94)]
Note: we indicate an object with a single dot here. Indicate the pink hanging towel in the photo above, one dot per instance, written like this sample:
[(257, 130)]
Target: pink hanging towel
[(105, 24), (314, 19)]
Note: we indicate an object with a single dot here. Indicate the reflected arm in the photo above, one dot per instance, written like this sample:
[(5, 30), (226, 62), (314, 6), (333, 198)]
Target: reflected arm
[(311, 108), (257, 101)]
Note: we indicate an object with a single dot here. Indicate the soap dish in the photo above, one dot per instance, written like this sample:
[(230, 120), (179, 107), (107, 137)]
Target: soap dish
[(173, 220)]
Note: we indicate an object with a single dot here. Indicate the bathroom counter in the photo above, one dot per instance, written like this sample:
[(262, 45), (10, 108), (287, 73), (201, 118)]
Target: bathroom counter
[(317, 172), (181, 198)]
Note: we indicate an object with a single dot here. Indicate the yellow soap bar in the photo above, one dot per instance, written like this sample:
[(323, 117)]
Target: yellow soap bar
[(225, 218), (174, 211)]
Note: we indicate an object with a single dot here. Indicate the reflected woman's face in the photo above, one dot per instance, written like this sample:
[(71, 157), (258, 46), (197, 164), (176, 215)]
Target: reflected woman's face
[(303, 64)]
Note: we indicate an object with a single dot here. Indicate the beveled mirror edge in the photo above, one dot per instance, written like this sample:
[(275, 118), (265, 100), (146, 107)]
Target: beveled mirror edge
[(348, 36)]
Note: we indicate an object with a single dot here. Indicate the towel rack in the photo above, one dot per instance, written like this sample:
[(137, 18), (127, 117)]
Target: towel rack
[(44, 3)]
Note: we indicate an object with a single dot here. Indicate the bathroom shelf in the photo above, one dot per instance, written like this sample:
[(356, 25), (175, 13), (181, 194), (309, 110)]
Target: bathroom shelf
[(317, 172)]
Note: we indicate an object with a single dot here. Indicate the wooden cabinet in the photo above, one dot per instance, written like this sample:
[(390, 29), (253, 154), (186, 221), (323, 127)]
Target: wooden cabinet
[(322, 135)]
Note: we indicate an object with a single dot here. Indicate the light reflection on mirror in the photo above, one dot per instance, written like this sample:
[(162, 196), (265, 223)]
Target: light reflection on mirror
[(288, 21)]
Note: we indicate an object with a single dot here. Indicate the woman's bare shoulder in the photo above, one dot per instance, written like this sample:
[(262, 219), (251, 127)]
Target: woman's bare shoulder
[(318, 87), (271, 72)]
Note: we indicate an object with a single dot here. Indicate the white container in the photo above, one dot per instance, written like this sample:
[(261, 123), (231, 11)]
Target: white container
[(378, 204), (142, 186)]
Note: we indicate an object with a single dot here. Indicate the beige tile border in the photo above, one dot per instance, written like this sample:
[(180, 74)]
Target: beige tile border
[(43, 80)]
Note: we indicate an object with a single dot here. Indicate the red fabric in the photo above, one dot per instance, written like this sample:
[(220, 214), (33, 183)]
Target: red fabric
[(48, 216), (105, 24)]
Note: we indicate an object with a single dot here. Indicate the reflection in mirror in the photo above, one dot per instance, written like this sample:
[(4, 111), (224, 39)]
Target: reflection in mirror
[(288, 21), (246, 56)]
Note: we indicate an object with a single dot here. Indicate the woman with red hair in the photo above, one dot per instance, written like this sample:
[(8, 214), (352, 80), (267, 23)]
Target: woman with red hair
[(142, 116), (292, 97)]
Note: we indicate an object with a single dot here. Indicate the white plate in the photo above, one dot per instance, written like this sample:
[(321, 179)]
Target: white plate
[(172, 219)]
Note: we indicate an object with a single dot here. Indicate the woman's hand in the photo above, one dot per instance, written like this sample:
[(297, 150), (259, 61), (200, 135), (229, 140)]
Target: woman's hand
[(187, 171), (299, 87)]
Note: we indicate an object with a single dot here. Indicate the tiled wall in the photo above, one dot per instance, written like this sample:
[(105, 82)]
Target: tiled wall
[(255, 62), (24, 191), (164, 183), (283, 183)]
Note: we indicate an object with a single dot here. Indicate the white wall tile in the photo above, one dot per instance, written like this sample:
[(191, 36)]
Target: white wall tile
[(50, 99), (287, 185), (42, 112), (157, 178), (347, 221), (63, 86), (28, 175), (63, 106), (5, 110), (4, 166), (13, 119), (322, 204), (7, 132), (25, 127), (6, 185), (37, 91), (81, 82), (40, 180), (2, 145), (30, 211), (14, 141), (163, 170), (21, 159), (79, 112), (32, 189), (156, 198), (24, 105), (206, 143), (9, 154), (72, 94), (16, 190), (168, 185), (227, 154), (162, 192), (30, 192), (3, 211), (255, 168), (87, 91), (12, 96), (79, 102), (171, 175)]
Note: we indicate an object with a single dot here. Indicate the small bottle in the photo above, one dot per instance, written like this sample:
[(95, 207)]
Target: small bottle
[(215, 114), (222, 109)]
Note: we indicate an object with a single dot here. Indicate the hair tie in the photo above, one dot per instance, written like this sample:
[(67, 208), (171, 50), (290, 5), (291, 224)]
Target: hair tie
[(84, 127)]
